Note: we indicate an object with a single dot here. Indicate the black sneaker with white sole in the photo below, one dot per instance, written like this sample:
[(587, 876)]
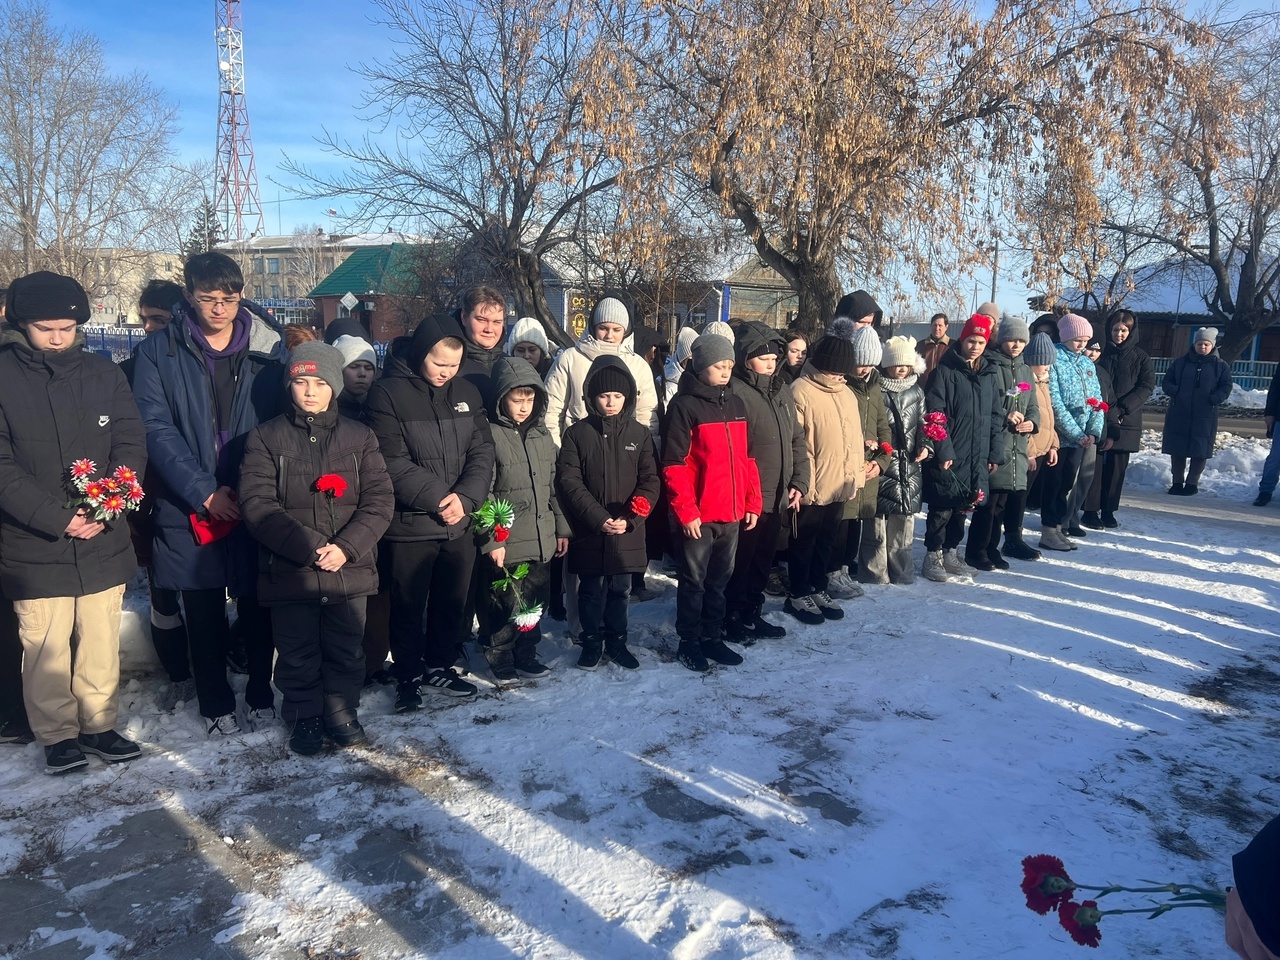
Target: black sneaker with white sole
[(408, 699), (447, 683), (17, 731), (109, 746), (830, 609), (532, 669), (63, 756)]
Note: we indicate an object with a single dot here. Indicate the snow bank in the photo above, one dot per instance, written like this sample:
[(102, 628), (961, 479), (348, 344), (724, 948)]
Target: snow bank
[(1232, 472)]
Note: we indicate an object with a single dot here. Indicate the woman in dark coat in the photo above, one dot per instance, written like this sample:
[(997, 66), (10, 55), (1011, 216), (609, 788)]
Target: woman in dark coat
[(1133, 378), (1196, 384), (965, 389)]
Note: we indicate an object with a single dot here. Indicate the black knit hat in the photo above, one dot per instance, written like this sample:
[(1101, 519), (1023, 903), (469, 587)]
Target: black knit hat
[(833, 355), (46, 296), (610, 379)]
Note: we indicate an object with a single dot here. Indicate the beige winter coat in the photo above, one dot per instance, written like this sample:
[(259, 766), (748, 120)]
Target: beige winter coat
[(567, 379), (828, 412), (1046, 438)]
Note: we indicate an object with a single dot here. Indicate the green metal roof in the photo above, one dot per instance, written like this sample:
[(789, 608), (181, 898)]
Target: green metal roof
[(380, 270)]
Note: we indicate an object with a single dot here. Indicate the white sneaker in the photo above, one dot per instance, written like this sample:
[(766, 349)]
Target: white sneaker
[(841, 586), (956, 566), (224, 726), (261, 718), (1051, 538), (933, 568)]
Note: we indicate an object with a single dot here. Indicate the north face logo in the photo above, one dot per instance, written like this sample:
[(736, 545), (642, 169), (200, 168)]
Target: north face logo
[(461, 407), (103, 420)]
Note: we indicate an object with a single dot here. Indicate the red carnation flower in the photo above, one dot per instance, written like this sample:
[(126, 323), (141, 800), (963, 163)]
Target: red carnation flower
[(937, 416), (640, 506), (331, 485), (935, 432), (500, 534), (886, 449), (1045, 882), (1081, 921)]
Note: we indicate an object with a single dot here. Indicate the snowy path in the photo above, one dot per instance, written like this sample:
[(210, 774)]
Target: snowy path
[(865, 789)]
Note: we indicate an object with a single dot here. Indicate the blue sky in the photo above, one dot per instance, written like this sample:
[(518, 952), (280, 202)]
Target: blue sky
[(297, 75)]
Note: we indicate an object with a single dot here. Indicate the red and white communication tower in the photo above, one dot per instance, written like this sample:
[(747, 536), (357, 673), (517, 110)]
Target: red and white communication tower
[(237, 199)]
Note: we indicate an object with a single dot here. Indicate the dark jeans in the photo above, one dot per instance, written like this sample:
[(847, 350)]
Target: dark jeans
[(602, 603), (706, 564), (1015, 510), (496, 609), (1179, 465), (986, 526), (751, 566), (319, 662), (943, 528), (435, 574), (848, 542), (168, 632), (209, 639), (1056, 487), (1114, 465), (817, 527), (11, 705)]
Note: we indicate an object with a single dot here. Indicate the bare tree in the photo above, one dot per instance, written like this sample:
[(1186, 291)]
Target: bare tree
[(482, 134), (1215, 200), (87, 175), (841, 135)]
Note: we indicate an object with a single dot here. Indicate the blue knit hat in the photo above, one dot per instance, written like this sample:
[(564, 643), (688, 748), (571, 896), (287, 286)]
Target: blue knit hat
[(1040, 351)]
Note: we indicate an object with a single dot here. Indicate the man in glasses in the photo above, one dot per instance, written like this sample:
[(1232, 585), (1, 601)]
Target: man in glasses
[(202, 384)]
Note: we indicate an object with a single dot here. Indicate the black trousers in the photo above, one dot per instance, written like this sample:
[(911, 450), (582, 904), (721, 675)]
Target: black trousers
[(434, 575), (844, 553), (168, 632), (1114, 465), (1056, 487), (817, 529), (495, 609), (986, 526), (319, 659), (208, 636), (751, 566), (706, 564), (943, 528), (1015, 510), (603, 602), (11, 705)]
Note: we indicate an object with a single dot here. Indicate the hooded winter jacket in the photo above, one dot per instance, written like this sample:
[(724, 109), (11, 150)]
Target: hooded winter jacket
[(860, 304), (902, 485), (1046, 438), (1196, 386), (1133, 378), (975, 429), (774, 435), (291, 520), (524, 472), (875, 428), (1073, 381), (1011, 375), (477, 367), (828, 413), (435, 440), (56, 408), (175, 394), (604, 462), (710, 474), (567, 401)]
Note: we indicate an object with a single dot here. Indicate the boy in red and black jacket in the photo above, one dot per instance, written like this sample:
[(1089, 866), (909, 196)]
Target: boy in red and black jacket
[(713, 486)]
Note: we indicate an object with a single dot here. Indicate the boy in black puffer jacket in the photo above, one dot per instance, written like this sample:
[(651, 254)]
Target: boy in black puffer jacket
[(776, 441), (315, 494), (607, 479), (524, 476)]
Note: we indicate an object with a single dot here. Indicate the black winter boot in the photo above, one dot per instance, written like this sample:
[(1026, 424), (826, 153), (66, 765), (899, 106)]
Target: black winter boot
[(719, 652), (690, 655), (308, 737), (1091, 520), (1019, 550), (615, 648), (737, 629), (997, 561), (502, 665), (592, 651)]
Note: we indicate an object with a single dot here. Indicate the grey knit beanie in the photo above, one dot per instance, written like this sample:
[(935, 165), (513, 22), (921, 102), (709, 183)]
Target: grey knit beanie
[(1206, 333), (708, 349), (867, 348), (1040, 351), (316, 359), (1013, 328)]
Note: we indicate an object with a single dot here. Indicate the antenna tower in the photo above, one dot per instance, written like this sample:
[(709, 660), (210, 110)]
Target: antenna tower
[(236, 191)]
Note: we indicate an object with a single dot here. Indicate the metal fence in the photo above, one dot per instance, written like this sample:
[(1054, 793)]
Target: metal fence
[(1246, 374), (118, 342)]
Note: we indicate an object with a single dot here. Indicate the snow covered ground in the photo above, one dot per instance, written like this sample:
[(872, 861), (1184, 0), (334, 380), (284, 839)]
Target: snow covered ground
[(1231, 474), (862, 789)]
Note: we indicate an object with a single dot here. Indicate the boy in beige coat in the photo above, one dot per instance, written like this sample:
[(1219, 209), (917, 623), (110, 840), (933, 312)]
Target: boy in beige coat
[(1042, 448), (828, 412)]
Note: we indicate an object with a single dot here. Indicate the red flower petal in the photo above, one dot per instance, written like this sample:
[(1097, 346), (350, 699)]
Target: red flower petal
[(500, 534), (1045, 883), (1081, 921), (640, 506)]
